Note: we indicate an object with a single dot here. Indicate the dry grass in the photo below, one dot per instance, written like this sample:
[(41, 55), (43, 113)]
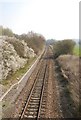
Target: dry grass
[(70, 65)]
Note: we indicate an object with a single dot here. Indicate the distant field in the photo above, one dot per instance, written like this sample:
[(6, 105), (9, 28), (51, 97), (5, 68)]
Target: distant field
[(77, 50)]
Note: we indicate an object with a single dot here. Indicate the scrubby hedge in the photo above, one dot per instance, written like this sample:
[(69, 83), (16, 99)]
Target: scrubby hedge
[(63, 47)]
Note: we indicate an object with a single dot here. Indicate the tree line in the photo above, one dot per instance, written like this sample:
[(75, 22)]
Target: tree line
[(34, 40)]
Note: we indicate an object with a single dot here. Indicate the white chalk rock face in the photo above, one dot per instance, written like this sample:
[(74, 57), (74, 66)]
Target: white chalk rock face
[(10, 61)]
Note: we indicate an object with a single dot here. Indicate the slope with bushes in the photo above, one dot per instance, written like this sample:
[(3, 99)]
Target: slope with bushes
[(69, 64), (70, 68)]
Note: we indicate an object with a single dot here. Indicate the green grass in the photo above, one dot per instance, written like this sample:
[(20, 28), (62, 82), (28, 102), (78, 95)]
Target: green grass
[(18, 74), (77, 50)]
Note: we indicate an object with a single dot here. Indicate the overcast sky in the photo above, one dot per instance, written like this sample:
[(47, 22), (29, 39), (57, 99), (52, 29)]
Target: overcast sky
[(57, 19)]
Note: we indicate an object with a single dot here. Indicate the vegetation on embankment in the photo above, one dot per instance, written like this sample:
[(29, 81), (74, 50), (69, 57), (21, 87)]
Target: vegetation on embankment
[(17, 51), (70, 69), (66, 101), (77, 50), (63, 47), (67, 53)]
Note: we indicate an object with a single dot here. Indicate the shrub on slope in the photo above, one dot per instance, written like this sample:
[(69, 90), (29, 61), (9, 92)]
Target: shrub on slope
[(63, 47)]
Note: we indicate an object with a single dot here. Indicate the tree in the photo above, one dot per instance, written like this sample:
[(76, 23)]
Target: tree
[(63, 47)]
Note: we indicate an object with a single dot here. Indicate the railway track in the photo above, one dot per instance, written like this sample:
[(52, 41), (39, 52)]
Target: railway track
[(33, 107), (37, 104), (40, 98)]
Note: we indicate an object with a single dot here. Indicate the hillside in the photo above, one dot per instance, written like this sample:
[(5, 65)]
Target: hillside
[(70, 68)]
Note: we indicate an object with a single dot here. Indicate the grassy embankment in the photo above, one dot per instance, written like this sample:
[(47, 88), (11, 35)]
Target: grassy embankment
[(77, 50), (18, 74)]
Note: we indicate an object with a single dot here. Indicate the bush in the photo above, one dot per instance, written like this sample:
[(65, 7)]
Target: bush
[(63, 47)]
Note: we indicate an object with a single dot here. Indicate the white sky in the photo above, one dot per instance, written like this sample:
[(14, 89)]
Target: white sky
[(57, 19)]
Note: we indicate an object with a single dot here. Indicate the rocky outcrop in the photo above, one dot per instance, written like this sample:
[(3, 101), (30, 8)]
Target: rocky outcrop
[(10, 59)]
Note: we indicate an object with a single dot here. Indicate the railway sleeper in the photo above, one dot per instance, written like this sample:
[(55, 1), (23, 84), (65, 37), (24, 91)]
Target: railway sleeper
[(31, 113), (37, 90), (31, 116), (32, 109), (35, 98), (33, 106)]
